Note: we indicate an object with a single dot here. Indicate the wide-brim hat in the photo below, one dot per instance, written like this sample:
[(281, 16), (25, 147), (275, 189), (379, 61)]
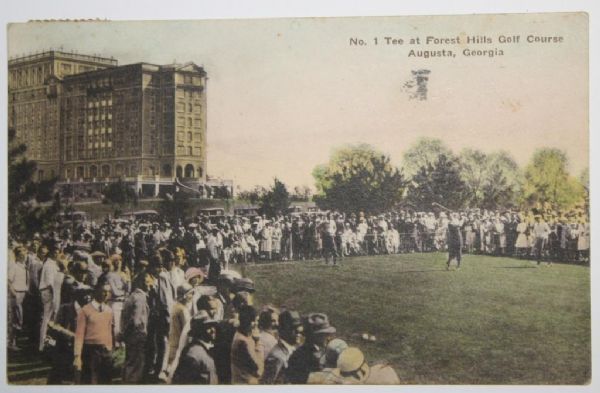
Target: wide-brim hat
[(183, 290), (201, 320), (244, 284), (194, 272), (352, 366), (318, 323), (289, 319)]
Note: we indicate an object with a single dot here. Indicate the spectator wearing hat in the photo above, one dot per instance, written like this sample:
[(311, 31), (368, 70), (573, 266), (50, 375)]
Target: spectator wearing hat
[(95, 261), (224, 296), (177, 274), (93, 339), (49, 276), (226, 331), (247, 353), (162, 299), (214, 253), (353, 369), (196, 365), (540, 232), (276, 236), (134, 328), (119, 289), (74, 297), (328, 376), (266, 241), (290, 332), (18, 284), (32, 303), (203, 300), (180, 316), (306, 359), (328, 231), (244, 284), (268, 321)]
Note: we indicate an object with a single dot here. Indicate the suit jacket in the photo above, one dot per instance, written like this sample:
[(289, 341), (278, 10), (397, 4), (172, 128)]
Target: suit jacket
[(247, 360), (196, 366), (304, 360), (276, 363)]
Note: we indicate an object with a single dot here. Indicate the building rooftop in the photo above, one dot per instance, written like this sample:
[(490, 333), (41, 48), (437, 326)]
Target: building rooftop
[(64, 55)]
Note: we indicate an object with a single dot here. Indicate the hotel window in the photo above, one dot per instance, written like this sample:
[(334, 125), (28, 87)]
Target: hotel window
[(189, 149), (189, 136), (66, 68)]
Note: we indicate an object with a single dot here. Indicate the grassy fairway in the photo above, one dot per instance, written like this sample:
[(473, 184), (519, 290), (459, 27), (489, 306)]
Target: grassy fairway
[(495, 321)]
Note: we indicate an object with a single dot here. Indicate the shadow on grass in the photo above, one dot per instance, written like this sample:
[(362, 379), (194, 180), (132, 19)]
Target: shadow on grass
[(423, 271), (515, 267), (27, 376), (15, 368)]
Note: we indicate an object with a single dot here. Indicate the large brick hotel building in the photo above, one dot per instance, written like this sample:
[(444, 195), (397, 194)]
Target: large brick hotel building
[(90, 121)]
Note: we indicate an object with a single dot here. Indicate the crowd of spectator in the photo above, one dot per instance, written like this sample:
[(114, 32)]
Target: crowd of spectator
[(167, 294)]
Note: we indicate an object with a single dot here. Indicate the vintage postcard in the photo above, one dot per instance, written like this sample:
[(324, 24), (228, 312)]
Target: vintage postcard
[(363, 200)]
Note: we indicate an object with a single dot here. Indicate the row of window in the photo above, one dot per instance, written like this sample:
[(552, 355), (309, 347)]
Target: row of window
[(28, 76), (107, 170)]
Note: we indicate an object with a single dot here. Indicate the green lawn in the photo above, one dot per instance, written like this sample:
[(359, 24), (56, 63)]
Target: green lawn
[(495, 321)]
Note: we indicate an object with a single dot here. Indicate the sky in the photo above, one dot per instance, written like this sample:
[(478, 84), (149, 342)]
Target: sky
[(284, 93)]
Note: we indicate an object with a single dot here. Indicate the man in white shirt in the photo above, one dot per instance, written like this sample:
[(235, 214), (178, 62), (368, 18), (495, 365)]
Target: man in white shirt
[(18, 284), (47, 282), (540, 232)]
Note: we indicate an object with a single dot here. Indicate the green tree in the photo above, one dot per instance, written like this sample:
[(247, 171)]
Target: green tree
[(119, 193), (424, 151), (276, 200), (584, 179), (474, 173), (358, 178), (547, 180), (301, 194), (438, 182), (253, 196), (491, 181), (26, 215)]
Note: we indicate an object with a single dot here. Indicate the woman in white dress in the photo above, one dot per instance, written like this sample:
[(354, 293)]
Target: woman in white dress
[(266, 241), (583, 242), (276, 236), (522, 243)]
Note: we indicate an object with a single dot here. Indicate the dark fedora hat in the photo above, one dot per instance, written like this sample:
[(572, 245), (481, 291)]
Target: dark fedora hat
[(243, 285), (200, 320), (319, 323), (289, 320)]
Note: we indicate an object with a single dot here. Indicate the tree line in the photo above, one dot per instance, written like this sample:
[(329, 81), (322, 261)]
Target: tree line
[(360, 178)]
